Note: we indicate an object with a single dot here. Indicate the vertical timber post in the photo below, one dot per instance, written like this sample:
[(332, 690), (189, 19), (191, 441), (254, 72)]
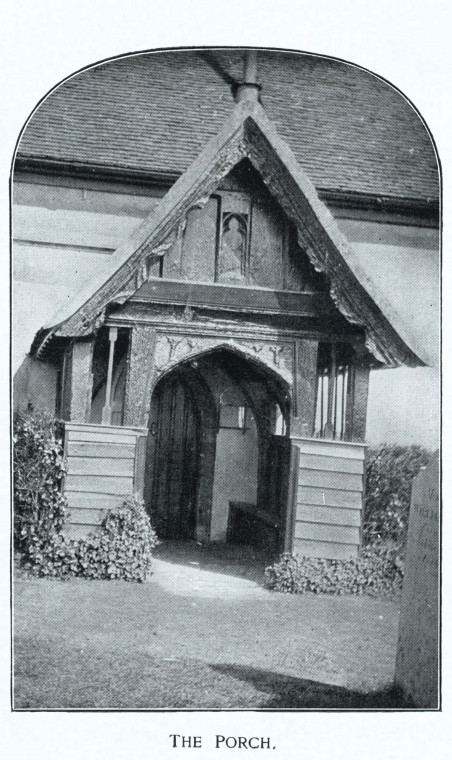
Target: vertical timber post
[(302, 423), (81, 381), (140, 463), (357, 404), (305, 387), (106, 411), (292, 494), (140, 374)]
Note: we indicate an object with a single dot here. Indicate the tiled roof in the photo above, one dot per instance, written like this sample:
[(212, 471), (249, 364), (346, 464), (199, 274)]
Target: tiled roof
[(154, 112)]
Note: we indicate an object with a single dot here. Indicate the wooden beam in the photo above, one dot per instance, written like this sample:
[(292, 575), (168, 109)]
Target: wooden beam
[(357, 396), (202, 295), (141, 365), (81, 381)]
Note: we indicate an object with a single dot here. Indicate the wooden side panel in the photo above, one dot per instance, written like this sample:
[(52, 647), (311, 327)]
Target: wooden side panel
[(321, 447), (331, 464), (101, 472), (324, 550), (328, 515), (339, 534), (98, 484), (94, 501), (108, 466), (95, 437), (329, 498), (93, 450), (342, 481)]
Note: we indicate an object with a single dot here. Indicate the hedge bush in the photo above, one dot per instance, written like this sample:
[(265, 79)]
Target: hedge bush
[(122, 547), (389, 473), (38, 469)]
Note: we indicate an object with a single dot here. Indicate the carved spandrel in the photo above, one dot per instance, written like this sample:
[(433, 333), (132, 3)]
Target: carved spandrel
[(276, 351), (172, 349), (275, 355), (173, 344)]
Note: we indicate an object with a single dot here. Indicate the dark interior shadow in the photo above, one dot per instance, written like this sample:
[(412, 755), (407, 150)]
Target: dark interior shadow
[(286, 692), (238, 560)]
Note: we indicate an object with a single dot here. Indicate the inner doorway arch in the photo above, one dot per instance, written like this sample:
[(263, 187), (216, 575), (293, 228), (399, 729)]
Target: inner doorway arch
[(218, 451)]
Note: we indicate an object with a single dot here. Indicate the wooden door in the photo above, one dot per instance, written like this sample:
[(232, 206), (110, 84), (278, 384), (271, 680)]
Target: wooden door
[(278, 465), (172, 470)]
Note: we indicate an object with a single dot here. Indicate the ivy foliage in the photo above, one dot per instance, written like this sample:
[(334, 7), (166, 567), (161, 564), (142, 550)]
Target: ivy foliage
[(377, 570), (120, 549)]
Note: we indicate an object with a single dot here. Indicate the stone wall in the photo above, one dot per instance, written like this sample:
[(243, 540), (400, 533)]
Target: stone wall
[(418, 644)]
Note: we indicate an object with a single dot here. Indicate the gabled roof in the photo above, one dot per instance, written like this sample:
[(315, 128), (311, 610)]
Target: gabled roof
[(247, 133), (150, 114)]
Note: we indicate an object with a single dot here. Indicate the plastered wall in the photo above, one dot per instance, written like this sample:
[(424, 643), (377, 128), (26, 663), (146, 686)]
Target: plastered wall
[(403, 261)]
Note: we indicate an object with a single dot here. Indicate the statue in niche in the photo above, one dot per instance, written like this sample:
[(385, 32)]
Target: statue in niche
[(232, 254)]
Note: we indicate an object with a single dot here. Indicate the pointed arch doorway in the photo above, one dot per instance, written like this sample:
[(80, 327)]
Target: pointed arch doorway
[(218, 451)]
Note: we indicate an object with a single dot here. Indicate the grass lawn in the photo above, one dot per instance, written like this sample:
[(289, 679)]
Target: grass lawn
[(116, 645)]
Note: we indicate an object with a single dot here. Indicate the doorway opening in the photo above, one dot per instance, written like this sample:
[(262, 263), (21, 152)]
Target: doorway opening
[(218, 451)]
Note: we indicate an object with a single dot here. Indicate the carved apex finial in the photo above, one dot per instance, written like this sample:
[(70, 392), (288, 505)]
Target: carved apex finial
[(249, 88)]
